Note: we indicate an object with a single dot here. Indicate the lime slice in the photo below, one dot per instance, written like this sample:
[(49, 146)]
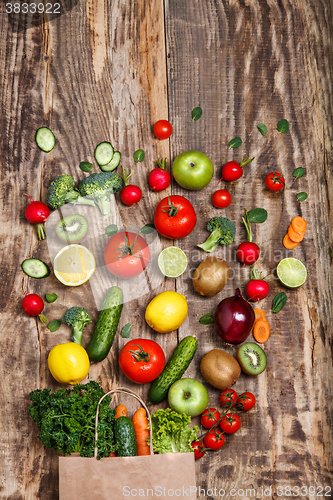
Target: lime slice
[(172, 262), (291, 272)]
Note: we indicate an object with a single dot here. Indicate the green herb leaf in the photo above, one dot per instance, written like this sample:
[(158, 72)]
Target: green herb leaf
[(147, 229), (126, 330), (299, 172), (54, 325), (196, 114), (206, 319), (139, 155), (302, 196), (283, 126), (111, 229), (279, 302), (257, 215), (85, 166), (51, 297), (262, 128), (235, 143)]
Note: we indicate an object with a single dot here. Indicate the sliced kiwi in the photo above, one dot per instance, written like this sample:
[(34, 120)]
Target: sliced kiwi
[(252, 358), (72, 228)]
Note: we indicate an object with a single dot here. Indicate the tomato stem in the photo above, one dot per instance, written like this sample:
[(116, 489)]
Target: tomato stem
[(172, 210), (128, 249), (139, 355)]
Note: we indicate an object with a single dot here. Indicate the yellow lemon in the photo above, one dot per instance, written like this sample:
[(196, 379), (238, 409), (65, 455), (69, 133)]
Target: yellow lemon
[(74, 265), (166, 312), (68, 363)]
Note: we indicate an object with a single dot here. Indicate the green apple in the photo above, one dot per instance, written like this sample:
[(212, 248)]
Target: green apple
[(193, 170), (188, 396)]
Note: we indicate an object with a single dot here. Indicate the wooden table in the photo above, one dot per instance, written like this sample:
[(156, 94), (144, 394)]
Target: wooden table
[(107, 70)]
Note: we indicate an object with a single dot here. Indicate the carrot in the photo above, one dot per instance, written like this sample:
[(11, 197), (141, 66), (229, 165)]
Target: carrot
[(298, 224), (121, 411), (295, 237), (259, 313), (140, 423), (261, 330), (113, 454), (288, 243)]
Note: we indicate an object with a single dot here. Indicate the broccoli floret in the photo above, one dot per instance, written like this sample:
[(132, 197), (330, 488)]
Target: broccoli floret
[(62, 191), (222, 233), (78, 319), (98, 187)]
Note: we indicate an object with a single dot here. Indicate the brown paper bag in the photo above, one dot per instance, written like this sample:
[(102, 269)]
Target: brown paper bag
[(170, 475)]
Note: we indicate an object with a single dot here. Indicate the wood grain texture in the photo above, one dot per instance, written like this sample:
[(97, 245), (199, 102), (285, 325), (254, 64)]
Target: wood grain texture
[(107, 70)]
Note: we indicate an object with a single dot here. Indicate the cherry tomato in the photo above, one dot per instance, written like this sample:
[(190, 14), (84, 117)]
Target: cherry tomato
[(214, 439), (230, 423), (32, 304), (221, 198), (130, 195), (142, 360), (246, 401), (209, 417), (199, 449), (126, 254), (275, 181), (228, 398), (162, 129), (175, 217)]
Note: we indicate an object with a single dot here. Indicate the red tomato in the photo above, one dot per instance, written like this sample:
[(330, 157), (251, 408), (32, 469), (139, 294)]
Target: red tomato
[(275, 181), (162, 129), (199, 449), (246, 401), (214, 439), (221, 198), (126, 254), (209, 417), (228, 398), (142, 360), (230, 423), (175, 217)]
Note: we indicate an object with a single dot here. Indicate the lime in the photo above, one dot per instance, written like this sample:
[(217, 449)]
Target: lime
[(172, 262), (291, 272)]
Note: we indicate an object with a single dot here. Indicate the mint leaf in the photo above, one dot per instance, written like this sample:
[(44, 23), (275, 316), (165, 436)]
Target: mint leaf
[(51, 297), (262, 128), (302, 196), (283, 126), (299, 172), (257, 215), (54, 325), (147, 229), (139, 155), (196, 114), (235, 143), (206, 319), (126, 330), (111, 229), (85, 166)]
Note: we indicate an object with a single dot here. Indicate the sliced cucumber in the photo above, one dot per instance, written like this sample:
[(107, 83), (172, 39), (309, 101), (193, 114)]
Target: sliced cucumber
[(113, 163), (45, 139), (35, 268), (103, 153)]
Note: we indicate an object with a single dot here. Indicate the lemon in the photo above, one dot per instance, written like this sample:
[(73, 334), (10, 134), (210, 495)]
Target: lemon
[(172, 262), (74, 265), (166, 312), (291, 272), (68, 363)]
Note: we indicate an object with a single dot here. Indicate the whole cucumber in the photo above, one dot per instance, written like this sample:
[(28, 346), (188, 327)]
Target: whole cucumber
[(124, 435), (106, 326), (174, 370)]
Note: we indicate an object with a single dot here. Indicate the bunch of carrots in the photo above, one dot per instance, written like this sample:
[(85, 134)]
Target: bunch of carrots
[(140, 424), (295, 234)]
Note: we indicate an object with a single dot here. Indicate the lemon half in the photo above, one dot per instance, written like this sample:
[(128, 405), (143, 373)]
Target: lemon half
[(74, 265)]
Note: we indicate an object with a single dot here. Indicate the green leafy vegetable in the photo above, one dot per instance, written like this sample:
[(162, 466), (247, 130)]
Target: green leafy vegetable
[(235, 143), (283, 126), (257, 215), (139, 155), (302, 196), (85, 166), (206, 319), (51, 297), (196, 114), (111, 229), (172, 432), (66, 419), (148, 228), (54, 325), (262, 128), (299, 172), (126, 330), (279, 302)]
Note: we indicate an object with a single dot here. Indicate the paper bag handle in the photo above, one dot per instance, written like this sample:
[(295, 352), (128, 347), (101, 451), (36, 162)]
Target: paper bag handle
[(124, 390)]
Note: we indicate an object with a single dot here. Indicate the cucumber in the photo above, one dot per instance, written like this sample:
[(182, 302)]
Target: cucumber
[(125, 437), (113, 163), (174, 370), (104, 153), (35, 268), (106, 327), (45, 139)]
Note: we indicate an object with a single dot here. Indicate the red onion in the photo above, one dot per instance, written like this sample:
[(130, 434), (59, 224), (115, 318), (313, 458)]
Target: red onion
[(234, 319)]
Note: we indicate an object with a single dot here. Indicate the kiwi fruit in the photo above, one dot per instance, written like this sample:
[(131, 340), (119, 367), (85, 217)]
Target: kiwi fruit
[(211, 276), (72, 228), (220, 369), (252, 358)]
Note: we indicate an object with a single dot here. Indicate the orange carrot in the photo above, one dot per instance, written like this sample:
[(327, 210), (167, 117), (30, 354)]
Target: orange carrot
[(288, 243), (113, 454), (261, 330), (121, 411), (296, 237), (259, 313), (140, 423), (298, 224)]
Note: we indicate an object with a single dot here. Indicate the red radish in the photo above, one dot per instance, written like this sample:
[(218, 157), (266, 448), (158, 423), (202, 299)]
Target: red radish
[(130, 195), (37, 213), (234, 319), (33, 305), (232, 171), (257, 288), (159, 179), (248, 252)]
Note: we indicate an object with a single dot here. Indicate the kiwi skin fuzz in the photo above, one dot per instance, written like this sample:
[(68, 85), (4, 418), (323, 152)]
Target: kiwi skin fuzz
[(70, 220), (257, 349)]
